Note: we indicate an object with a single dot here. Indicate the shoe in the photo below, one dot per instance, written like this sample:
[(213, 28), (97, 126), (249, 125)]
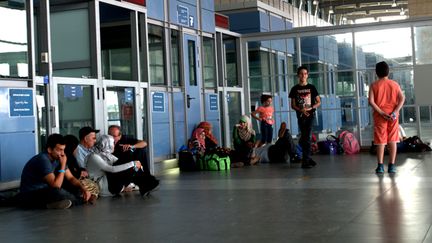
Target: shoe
[(391, 168), (282, 130), (131, 187), (306, 165), (62, 204), (379, 169), (92, 199), (153, 186), (295, 159), (312, 162)]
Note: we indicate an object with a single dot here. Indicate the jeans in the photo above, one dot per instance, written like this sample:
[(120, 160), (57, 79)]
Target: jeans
[(40, 198), (305, 126), (266, 132)]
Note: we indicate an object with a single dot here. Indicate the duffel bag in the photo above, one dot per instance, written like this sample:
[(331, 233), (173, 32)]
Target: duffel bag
[(215, 162)]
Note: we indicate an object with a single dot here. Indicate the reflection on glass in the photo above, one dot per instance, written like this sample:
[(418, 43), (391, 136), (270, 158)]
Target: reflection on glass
[(234, 110), (13, 40), (41, 124), (120, 103), (230, 61), (423, 42), (259, 71), (175, 58), (192, 63), (70, 29), (391, 45), (115, 42), (209, 63), (75, 104), (144, 114), (156, 55)]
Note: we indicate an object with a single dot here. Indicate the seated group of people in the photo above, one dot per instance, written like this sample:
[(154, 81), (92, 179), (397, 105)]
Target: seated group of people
[(73, 172), (246, 149)]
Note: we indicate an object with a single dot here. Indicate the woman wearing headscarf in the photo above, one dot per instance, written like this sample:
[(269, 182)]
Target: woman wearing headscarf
[(197, 142), (210, 140), (244, 140), (112, 179)]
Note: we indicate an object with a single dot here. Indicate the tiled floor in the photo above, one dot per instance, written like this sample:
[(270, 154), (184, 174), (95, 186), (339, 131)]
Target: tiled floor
[(340, 200)]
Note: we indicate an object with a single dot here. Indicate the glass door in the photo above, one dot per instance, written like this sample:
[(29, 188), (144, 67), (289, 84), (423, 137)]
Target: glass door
[(75, 105), (121, 107), (233, 103), (192, 82)]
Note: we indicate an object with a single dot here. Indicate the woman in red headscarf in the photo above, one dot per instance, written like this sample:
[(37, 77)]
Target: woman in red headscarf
[(210, 140)]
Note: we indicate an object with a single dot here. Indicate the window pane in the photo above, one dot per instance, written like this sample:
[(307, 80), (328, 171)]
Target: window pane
[(175, 55), (209, 63), (13, 40), (156, 55), (230, 61), (423, 43), (192, 63)]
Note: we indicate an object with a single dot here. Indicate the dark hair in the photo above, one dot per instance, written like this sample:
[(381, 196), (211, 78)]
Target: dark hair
[(55, 139), (265, 97), (302, 68), (114, 126), (382, 69), (71, 143)]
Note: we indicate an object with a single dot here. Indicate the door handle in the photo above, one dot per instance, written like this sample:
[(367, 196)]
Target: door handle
[(188, 98)]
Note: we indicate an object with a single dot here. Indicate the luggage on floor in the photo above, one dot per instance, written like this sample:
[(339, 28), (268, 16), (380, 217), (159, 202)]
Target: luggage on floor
[(215, 161), (187, 161)]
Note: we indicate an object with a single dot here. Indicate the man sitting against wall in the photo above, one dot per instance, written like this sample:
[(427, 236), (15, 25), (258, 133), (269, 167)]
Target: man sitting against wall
[(87, 136), (43, 176), (127, 148)]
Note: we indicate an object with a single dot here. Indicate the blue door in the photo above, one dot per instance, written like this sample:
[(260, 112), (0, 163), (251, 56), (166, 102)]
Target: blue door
[(192, 82)]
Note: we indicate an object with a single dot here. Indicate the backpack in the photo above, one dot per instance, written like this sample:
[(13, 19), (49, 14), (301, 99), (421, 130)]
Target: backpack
[(349, 142)]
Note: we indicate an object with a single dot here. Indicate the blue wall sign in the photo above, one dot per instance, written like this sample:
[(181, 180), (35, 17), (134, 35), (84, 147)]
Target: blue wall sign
[(20, 102), (158, 102), (213, 102), (128, 95), (183, 15), (73, 91)]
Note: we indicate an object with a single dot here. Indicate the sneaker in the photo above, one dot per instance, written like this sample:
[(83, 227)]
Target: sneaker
[(62, 204), (312, 162), (153, 186), (295, 159), (282, 130), (391, 168), (306, 165), (379, 169)]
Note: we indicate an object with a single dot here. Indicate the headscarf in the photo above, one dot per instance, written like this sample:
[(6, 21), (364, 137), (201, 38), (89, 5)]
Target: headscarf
[(245, 134), (208, 131), (196, 136), (104, 148)]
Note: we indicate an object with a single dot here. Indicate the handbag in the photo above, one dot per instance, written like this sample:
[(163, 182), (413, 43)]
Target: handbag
[(329, 146)]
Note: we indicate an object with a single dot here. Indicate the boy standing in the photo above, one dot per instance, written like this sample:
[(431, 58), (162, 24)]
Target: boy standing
[(386, 99), (304, 100)]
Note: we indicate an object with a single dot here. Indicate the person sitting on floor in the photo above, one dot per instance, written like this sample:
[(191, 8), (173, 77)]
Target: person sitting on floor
[(210, 140), (244, 142), (283, 148), (100, 162), (197, 143), (128, 148), (43, 176), (87, 136)]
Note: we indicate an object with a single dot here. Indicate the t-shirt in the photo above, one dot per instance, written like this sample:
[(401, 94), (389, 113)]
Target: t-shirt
[(386, 93), (32, 177), (266, 113), (304, 96), (81, 155)]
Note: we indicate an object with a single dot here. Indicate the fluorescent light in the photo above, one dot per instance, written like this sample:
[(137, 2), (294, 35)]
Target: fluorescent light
[(394, 4), (315, 2), (331, 10)]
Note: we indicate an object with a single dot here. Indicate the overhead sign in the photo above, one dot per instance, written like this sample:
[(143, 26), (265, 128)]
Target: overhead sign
[(158, 102), (20, 102)]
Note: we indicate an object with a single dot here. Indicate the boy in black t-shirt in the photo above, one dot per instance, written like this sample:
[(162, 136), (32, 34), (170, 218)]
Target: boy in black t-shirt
[(304, 100)]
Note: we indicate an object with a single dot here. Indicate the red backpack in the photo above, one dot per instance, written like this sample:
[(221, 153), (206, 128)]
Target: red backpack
[(349, 143)]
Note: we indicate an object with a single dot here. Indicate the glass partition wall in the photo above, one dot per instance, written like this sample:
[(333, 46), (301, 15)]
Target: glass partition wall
[(342, 67)]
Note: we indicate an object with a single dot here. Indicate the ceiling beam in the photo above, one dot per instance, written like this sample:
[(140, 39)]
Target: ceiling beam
[(335, 3), (380, 8)]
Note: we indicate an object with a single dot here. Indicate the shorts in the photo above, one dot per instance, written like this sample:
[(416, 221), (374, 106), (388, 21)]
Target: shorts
[(385, 131)]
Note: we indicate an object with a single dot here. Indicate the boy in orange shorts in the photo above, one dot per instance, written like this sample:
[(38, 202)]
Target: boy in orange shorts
[(386, 99)]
